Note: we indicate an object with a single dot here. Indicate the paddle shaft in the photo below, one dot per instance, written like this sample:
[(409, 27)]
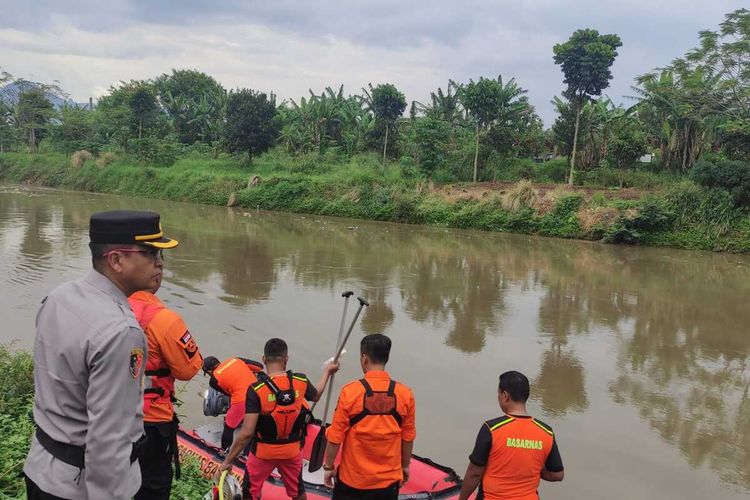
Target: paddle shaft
[(346, 296), (362, 303)]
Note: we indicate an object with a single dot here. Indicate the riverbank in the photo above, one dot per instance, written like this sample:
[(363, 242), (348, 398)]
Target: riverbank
[(17, 425), (681, 215)]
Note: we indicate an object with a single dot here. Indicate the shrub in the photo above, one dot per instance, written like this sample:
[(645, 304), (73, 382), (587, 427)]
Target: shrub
[(151, 151), (516, 169), (16, 421), (594, 221), (732, 175), (192, 484), (562, 221), (603, 176), (653, 214), (650, 215), (684, 199), (620, 233), (552, 171), (520, 195), (106, 159), (79, 158)]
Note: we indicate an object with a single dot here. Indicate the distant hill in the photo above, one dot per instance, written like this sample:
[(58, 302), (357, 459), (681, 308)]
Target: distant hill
[(11, 92)]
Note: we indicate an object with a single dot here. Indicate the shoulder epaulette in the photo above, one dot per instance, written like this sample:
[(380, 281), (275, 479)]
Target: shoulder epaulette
[(495, 424), (546, 428)]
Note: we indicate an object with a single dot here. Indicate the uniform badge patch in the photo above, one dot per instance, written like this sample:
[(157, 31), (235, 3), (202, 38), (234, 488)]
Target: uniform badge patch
[(136, 361), (189, 345)]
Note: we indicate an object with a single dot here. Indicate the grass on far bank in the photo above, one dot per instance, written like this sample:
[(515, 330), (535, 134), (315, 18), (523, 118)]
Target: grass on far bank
[(659, 210)]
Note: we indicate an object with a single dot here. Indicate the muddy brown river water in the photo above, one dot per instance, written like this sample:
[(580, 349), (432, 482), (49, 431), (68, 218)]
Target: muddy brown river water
[(638, 357)]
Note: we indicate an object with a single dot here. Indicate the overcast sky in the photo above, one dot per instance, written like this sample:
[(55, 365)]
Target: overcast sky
[(288, 47)]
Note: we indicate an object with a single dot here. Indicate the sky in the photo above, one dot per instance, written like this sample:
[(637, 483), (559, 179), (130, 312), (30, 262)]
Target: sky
[(288, 47)]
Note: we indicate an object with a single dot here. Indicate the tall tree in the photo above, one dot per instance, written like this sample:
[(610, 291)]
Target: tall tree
[(494, 103), (515, 121), (74, 130), (134, 103), (586, 59), (388, 104), (33, 114), (251, 124), (194, 101), (7, 133)]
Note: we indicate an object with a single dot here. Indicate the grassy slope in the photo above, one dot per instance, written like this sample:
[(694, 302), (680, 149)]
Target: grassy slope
[(361, 187)]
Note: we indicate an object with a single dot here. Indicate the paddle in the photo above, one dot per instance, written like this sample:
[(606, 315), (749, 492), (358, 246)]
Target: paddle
[(319, 445), (346, 296)]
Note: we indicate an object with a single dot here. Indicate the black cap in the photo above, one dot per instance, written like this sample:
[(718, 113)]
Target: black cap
[(209, 363), (129, 227)]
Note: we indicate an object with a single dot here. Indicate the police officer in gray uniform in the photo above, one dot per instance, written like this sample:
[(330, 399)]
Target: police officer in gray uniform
[(89, 360)]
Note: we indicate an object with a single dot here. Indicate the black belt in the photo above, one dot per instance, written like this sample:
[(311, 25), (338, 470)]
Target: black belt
[(72, 454)]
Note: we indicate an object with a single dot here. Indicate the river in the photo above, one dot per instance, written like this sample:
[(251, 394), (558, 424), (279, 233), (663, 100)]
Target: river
[(638, 357)]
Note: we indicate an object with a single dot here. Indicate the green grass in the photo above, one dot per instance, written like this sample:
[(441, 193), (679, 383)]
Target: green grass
[(17, 425), (675, 214)]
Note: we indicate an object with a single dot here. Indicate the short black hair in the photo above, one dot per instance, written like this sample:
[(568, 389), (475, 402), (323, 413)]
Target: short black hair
[(209, 363), (275, 349), (377, 347), (516, 385), (97, 251)]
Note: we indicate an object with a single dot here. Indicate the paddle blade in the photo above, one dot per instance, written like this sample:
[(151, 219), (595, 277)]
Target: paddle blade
[(318, 450)]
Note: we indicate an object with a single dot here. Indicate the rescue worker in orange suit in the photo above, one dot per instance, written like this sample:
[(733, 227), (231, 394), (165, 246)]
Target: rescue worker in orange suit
[(232, 377), (512, 452), (172, 355), (276, 406), (375, 428)]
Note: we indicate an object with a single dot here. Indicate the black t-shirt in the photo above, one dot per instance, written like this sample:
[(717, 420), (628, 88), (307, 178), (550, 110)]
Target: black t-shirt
[(483, 444), (252, 401)]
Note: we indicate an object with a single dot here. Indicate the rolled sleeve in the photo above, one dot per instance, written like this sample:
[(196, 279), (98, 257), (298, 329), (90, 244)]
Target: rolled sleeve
[(113, 399), (336, 432), (409, 427)]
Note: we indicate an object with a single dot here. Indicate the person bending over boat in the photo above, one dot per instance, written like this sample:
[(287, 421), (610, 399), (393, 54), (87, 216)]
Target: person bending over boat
[(275, 409), (232, 377), (374, 423), (172, 354), (89, 357), (512, 452)]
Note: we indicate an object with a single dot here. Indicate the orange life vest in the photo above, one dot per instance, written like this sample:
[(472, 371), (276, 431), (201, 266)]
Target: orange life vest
[(234, 377), (281, 422), (377, 403), (159, 382)]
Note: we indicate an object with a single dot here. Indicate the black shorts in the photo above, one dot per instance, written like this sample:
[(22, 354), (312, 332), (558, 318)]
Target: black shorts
[(342, 491)]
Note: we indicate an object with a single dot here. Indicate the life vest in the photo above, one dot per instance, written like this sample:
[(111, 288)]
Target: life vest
[(378, 403), (234, 377), (159, 380), (282, 416)]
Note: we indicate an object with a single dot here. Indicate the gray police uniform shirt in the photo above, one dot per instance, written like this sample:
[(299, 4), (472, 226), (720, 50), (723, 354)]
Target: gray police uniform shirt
[(89, 361)]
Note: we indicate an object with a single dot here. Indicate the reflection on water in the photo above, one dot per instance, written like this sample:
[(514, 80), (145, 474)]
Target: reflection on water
[(603, 332)]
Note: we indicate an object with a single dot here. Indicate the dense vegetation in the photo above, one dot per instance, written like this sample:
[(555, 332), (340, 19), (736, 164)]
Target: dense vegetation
[(358, 155), (17, 425)]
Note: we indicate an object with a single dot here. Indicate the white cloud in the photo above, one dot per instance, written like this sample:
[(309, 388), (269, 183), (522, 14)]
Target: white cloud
[(287, 48)]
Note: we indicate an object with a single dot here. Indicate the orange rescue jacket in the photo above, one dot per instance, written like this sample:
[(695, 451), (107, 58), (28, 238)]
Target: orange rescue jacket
[(234, 377), (172, 354)]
